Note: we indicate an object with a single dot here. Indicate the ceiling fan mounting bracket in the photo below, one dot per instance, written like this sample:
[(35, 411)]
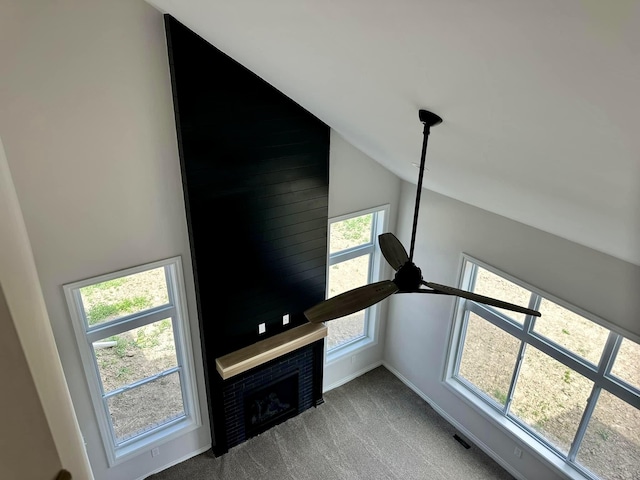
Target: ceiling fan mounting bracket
[(429, 119)]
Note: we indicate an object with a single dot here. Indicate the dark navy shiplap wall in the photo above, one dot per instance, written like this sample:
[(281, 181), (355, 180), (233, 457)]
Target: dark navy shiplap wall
[(255, 168)]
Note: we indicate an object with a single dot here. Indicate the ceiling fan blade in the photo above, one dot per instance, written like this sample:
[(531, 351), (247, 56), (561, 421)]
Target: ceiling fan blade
[(351, 301), (392, 250), (481, 298)]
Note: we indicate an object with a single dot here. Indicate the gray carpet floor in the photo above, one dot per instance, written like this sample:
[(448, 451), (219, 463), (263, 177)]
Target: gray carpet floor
[(372, 428)]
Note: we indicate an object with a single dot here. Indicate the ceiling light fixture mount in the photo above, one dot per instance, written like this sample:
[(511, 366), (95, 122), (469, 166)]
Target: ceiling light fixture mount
[(429, 119), (408, 277)]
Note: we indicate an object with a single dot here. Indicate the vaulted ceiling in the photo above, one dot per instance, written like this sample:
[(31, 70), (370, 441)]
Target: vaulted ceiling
[(540, 100)]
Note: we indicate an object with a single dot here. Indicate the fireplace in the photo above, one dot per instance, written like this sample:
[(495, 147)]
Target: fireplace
[(270, 404), (269, 382)]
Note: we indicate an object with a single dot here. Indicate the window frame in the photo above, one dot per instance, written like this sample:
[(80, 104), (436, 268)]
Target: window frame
[(498, 414), (376, 272), (86, 335)]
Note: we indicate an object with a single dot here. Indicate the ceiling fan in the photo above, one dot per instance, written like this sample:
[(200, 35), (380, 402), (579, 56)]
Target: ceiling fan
[(408, 277)]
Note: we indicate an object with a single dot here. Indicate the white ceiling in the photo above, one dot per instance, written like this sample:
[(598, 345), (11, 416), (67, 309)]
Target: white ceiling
[(540, 99)]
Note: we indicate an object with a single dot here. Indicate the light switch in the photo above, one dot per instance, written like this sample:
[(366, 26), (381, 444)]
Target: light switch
[(261, 328), (285, 319)]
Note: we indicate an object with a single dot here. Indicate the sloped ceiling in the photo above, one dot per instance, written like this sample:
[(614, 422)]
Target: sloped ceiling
[(540, 100)]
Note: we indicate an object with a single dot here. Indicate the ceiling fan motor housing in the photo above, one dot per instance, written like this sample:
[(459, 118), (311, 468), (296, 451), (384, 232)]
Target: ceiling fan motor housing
[(408, 277)]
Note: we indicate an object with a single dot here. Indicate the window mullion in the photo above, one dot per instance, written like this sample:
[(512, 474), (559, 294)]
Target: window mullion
[(496, 319), (606, 361), (534, 303), (131, 322), (144, 381), (351, 253), (609, 353), (514, 377), (584, 422)]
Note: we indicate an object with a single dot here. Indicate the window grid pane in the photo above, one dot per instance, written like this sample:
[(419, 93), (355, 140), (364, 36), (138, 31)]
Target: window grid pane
[(611, 445), (489, 357), (136, 354), (346, 329), (568, 329), (627, 363), (343, 277), (349, 274), (146, 407), (550, 398), (112, 299), (350, 233), (491, 285)]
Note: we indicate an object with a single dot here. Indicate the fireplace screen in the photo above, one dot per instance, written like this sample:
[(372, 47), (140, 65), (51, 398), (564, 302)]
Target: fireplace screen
[(271, 404)]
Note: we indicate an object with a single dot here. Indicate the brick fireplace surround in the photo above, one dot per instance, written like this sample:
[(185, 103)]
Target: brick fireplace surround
[(271, 381)]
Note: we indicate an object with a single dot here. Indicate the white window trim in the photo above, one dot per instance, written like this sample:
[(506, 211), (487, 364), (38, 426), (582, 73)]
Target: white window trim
[(481, 403), (86, 335), (376, 272)]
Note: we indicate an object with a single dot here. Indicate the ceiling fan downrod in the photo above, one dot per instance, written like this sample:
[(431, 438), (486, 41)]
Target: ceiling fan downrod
[(429, 120), (408, 277)]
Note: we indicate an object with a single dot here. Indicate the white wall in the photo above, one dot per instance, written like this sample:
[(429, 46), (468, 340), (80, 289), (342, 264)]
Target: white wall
[(356, 182), (418, 326), (27, 312), (26, 430), (88, 127)]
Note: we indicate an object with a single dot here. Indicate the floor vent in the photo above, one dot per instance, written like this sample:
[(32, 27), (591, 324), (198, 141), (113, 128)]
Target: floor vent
[(461, 441)]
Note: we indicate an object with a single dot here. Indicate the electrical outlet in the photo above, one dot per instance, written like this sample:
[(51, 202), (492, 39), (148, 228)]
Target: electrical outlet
[(285, 319), (262, 328), (517, 452), (155, 452)]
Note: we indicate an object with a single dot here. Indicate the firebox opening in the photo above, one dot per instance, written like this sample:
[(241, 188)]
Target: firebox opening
[(271, 404)]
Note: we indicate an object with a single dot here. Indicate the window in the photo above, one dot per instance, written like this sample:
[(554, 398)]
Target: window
[(569, 386), (133, 335), (354, 261)]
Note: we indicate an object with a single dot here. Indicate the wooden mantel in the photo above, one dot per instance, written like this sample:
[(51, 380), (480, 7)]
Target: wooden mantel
[(261, 352)]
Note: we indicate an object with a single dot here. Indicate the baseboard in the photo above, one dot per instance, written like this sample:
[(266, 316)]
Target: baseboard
[(353, 376), (175, 462), (475, 440)]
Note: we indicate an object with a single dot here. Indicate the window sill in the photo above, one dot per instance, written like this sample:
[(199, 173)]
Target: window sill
[(350, 348), (157, 438), (521, 437)]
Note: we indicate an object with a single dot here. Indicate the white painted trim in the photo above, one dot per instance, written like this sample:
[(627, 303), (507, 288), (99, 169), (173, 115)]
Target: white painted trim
[(84, 333), (378, 269), (465, 257), (176, 462), (353, 376), (519, 432)]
